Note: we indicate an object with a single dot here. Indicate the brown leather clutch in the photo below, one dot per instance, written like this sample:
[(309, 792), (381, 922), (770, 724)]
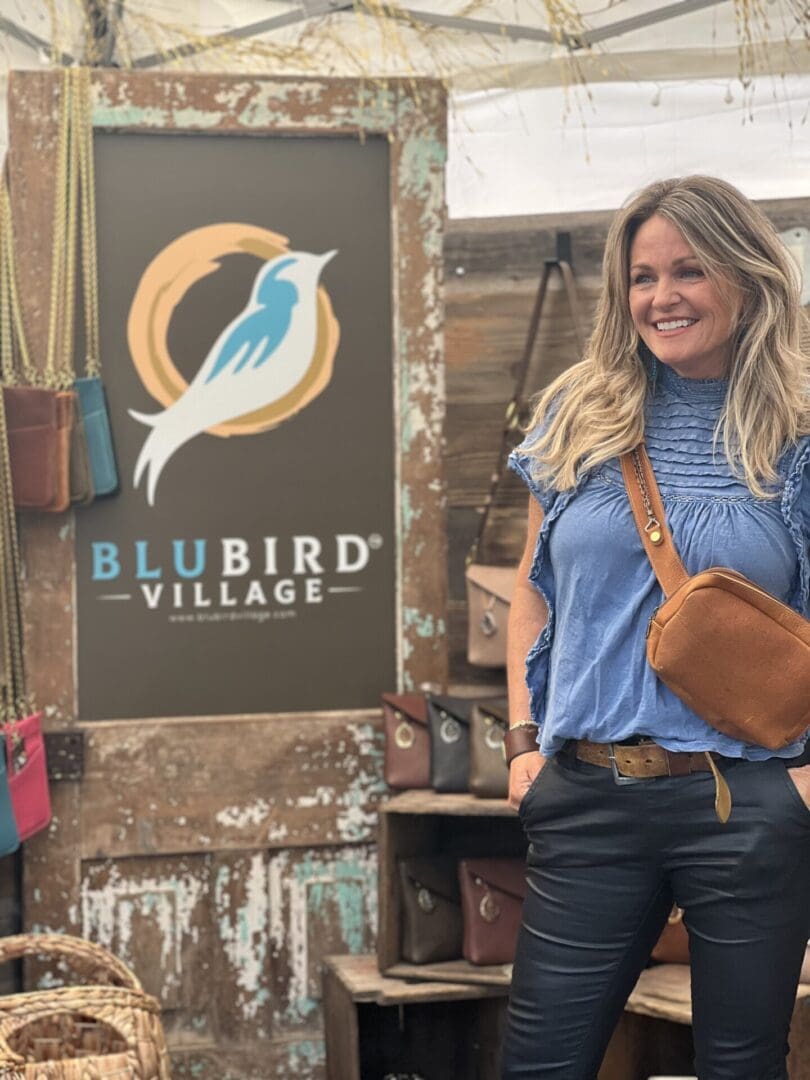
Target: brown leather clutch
[(489, 773), (33, 443), (407, 743), (492, 892), (431, 909)]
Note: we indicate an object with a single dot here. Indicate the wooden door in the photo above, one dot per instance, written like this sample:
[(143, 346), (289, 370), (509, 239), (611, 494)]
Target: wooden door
[(223, 851)]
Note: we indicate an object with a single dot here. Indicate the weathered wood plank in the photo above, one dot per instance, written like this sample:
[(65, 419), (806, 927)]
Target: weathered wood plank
[(231, 784)]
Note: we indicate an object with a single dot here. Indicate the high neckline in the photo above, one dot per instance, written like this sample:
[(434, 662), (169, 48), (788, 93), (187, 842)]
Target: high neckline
[(708, 390)]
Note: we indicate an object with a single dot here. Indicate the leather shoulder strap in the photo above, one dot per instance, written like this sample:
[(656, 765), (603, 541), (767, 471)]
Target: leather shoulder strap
[(664, 558)]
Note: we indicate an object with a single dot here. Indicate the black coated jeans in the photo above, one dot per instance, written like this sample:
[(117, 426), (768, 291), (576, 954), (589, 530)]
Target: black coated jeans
[(605, 864)]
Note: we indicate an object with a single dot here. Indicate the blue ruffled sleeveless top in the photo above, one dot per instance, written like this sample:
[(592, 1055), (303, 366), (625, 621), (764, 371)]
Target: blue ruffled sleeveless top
[(587, 672)]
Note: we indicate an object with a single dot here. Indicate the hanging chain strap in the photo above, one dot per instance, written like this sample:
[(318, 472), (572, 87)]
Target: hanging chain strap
[(59, 232), (653, 524), (83, 128), (513, 417), (15, 700)]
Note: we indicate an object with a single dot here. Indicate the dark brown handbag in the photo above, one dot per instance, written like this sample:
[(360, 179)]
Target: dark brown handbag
[(489, 773), (32, 416), (407, 743), (449, 727), (431, 909), (672, 946), (492, 892), (736, 655)]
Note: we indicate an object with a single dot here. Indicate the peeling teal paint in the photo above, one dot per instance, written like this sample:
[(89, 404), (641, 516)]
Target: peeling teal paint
[(410, 513), (306, 1052), (196, 118), (107, 115), (423, 625)]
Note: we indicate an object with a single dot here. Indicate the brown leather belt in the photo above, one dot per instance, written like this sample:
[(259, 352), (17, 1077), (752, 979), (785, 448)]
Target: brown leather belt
[(641, 761)]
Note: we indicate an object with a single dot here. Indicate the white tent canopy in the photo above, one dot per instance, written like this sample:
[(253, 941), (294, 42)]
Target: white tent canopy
[(663, 96)]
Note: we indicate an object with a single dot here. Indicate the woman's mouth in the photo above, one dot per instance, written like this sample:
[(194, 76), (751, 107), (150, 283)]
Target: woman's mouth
[(673, 326)]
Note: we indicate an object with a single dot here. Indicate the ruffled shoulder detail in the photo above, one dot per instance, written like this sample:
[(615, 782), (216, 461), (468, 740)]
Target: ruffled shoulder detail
[(522, 462), (541, 576), (795, 507)]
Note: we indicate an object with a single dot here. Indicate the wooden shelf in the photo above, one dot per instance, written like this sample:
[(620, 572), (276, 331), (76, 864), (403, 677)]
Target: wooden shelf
[(363, 981), (454, 805), (496, 976)]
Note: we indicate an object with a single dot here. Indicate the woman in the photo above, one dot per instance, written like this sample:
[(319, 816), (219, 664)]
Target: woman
[(696, 350)]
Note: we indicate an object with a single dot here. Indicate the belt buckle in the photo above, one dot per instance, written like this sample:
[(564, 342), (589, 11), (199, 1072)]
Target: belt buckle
[(622, 781)]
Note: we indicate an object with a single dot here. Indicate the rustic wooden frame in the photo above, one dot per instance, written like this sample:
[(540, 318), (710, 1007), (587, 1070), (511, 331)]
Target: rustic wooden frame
[(93, 820)]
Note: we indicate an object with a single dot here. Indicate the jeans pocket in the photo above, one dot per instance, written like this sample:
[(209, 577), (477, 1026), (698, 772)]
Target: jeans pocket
[(795, 795), (532, 789)]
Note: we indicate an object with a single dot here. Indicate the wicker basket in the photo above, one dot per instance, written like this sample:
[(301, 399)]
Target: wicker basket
[(109, 1030)]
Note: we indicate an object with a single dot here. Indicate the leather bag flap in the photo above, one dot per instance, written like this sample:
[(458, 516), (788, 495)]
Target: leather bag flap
[(437, 875), (458, 708), (498, 581), (497, 707), (412, 706), (500, 875)]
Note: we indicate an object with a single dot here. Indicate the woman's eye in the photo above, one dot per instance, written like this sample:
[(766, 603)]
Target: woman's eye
[(692, 271), (641, 279)]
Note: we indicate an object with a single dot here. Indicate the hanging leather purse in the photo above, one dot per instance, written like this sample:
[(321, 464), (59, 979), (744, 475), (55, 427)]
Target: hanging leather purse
[(89, 388), (40, 414), (407, 744), (81, 477), (489, 773), (431, 909), (490, 588), (449, 727), (492, 892), (26, 770), (736, 655)]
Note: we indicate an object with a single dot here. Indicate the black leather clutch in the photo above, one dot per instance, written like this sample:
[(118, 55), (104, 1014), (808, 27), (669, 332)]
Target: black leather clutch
[(449, 726)]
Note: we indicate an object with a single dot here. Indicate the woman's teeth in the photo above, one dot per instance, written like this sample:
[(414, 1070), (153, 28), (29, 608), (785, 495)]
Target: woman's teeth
[(674, 324)]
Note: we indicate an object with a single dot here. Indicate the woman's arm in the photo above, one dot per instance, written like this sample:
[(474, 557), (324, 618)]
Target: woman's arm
[(527, 617)]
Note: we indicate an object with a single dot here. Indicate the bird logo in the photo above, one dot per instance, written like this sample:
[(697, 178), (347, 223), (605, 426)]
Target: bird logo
[(269, 362)]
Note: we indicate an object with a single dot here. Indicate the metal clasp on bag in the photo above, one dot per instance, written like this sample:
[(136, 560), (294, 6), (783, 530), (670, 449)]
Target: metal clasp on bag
[(617, 776)]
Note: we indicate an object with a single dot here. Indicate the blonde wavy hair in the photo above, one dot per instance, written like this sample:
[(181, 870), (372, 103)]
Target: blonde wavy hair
[(595, 410)]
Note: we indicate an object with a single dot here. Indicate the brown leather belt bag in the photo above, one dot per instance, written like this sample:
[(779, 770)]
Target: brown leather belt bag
[(736, 655)]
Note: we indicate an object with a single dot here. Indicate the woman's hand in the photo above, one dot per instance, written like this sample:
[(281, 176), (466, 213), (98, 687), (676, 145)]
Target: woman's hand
[(800, 777), (522, 773)]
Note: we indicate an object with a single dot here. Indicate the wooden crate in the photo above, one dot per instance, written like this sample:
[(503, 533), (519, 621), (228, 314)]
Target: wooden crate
[(654, 1034), (427, 823), (377, 1026)]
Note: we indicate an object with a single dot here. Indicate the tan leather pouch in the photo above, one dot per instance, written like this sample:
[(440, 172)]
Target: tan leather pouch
[(736, 655), (489, 773)]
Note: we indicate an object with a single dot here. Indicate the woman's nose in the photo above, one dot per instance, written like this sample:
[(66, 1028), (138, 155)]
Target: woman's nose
[(667, 293)]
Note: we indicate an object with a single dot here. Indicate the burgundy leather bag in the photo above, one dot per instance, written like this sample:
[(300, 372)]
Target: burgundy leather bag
[(407, 743), (492, 892)]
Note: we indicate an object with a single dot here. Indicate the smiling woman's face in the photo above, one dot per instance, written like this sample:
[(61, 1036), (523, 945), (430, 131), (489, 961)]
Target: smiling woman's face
[(679, 313)]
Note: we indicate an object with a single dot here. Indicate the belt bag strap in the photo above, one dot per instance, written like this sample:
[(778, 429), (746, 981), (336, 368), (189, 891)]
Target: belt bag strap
[(651, 521)]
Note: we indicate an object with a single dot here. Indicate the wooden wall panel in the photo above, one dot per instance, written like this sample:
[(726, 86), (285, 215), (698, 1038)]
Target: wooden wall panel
[(247, 782)]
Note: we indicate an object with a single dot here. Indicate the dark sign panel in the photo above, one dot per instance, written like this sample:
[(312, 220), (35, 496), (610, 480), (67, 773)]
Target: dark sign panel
[(247, 564)]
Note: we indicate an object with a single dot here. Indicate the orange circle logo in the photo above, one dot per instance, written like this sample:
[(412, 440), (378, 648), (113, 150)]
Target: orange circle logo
[(166, 281)]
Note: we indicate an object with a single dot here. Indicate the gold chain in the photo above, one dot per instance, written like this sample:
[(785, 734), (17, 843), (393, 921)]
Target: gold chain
[(17, 698), (83, 123), (30, 375), (58, 252), (652, 520)]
